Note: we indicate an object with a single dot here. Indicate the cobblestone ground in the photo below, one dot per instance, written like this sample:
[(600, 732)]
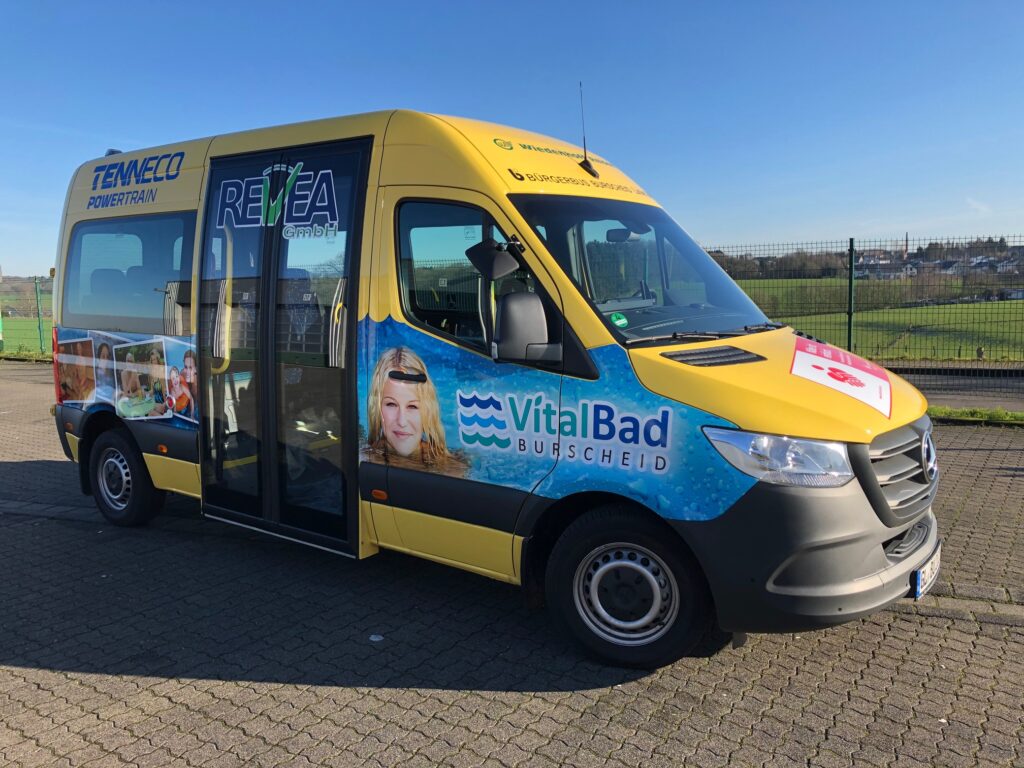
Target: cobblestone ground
[(981, 509), (194, 643)]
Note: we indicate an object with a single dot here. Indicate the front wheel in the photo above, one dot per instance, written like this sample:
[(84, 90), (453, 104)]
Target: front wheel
[(120, 483), (624, 587)]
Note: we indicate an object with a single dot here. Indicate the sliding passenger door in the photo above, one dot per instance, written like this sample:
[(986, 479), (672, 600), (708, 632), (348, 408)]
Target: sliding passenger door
[(313, 400), (280, 260), (236, 249)]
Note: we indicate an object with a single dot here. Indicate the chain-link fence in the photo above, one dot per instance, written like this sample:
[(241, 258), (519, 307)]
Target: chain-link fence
[(947, 313), (26, 315)]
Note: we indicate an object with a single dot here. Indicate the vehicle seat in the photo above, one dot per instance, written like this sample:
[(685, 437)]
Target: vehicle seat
[(107, 287)]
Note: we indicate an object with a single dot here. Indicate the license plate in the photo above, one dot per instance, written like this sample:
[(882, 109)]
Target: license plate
[(925, 576)]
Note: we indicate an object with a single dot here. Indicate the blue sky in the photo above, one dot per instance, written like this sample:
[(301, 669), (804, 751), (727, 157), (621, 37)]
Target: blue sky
[(748, 121)]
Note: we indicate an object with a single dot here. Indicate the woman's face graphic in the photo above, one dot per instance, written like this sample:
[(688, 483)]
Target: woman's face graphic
[(400, 414)]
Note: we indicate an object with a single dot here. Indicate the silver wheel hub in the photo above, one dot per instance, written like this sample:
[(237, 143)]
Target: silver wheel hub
[(625, 594), (114, 478)]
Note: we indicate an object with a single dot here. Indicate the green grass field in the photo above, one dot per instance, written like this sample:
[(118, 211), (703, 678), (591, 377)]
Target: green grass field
[(942, 332), (781, 284), (22, 333), (804, 296)]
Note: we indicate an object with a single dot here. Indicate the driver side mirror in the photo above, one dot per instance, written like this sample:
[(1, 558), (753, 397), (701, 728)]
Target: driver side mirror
[(521, 331)]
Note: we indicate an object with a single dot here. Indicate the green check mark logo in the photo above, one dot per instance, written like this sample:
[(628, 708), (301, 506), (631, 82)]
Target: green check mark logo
[(272, 210)]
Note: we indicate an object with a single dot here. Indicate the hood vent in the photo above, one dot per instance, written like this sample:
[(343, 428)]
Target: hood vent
[(710, 356)]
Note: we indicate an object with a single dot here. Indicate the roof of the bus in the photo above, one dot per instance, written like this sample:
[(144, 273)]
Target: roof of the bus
[(532, 162), (420, 148)]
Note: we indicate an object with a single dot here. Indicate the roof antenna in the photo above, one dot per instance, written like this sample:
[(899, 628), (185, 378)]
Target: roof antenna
[(585, 163)]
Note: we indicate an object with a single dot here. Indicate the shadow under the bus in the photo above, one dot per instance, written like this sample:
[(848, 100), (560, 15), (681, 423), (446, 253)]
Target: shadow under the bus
[(193, 598)]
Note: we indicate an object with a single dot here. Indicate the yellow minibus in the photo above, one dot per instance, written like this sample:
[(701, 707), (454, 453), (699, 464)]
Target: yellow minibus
[(488, 348)]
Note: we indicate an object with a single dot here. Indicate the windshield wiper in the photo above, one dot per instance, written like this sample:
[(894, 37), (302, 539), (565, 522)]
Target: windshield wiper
[(759, 327), (678, 336)]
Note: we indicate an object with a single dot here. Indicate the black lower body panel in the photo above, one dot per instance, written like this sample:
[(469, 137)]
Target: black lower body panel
[(787, 559)]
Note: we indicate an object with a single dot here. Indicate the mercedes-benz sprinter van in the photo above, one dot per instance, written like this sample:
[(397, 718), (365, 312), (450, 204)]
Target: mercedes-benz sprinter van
[(477, 345)]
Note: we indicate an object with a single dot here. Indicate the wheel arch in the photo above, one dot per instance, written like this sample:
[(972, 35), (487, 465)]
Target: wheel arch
[(95, 424), (544, 520)]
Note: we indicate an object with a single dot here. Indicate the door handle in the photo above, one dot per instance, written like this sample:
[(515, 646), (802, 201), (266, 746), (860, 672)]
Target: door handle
[(339, 317), (226, 302)]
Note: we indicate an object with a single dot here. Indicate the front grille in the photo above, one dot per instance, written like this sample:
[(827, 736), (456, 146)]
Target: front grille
[(899, 485), (711, 356)]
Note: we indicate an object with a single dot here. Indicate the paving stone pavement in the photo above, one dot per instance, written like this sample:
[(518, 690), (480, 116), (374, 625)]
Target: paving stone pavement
[(197, 644), (981, 508)]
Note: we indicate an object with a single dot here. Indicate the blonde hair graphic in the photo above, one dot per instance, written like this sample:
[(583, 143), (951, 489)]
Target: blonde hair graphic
[(433, 445)]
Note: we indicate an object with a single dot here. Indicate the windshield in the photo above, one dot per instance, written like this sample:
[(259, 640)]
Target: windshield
[(643, 273)]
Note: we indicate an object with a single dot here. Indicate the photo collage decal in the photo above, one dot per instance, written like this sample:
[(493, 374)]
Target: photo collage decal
[(140, 377)]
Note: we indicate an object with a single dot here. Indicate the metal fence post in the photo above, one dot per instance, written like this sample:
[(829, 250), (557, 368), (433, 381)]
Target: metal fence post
[(849, 303), (39, 315)]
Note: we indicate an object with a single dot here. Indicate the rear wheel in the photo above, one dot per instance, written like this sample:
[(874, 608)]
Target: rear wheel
[(120, 482), (622, 586)]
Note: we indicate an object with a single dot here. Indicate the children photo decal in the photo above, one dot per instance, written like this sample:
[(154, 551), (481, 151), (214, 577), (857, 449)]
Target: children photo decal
[(142, 380), (76, 372)]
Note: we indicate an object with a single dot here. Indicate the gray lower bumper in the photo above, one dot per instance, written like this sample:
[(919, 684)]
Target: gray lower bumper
[(788, 559), (58, 418)]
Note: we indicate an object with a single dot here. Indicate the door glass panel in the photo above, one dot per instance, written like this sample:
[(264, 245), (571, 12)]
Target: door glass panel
[(230, 297), (441, 288), (310, 338)]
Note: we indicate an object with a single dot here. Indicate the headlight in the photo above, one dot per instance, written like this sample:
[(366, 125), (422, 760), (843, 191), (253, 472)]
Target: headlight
[(783, 460)]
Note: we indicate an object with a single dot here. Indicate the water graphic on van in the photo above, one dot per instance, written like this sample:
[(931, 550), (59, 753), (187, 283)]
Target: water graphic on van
[(453, 412)]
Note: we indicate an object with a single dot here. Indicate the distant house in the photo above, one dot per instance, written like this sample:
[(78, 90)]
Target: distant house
[(887, 271), (872, 256), (953, 268), (1009, 267)]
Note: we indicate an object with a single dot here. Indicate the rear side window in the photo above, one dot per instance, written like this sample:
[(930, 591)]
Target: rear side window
[(132, 275)]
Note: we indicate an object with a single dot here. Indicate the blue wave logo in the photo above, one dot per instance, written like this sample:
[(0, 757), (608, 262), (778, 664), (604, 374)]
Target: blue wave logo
[(481, 421), (486, 440), (473, 420), (475, 401)]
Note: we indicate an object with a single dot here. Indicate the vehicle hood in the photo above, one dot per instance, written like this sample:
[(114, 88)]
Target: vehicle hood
[(786, 385)]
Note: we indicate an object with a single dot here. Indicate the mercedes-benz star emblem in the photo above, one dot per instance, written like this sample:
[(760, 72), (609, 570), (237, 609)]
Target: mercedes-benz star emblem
[(929, 460)]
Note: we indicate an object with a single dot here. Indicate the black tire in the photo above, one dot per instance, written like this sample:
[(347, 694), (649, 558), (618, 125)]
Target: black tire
[(120, 482), (637, 564)]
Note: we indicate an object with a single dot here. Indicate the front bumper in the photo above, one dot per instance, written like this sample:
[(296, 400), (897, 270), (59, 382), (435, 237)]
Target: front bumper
[(786, 559)]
